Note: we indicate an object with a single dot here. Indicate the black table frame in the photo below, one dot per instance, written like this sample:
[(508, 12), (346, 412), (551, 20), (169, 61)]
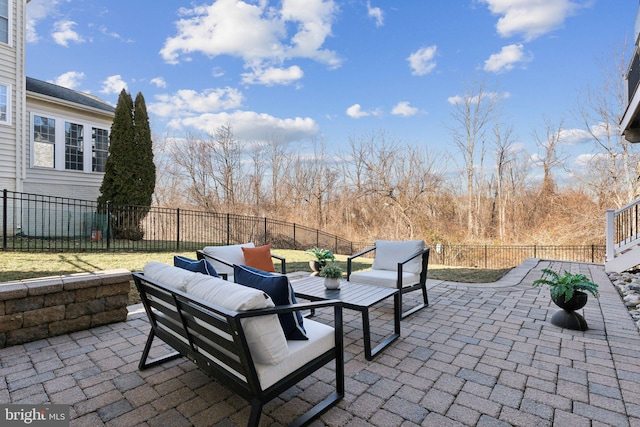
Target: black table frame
[(354, 296)]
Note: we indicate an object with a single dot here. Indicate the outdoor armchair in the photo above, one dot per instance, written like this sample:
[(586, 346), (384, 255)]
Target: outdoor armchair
[(397, 264), (223, 258)]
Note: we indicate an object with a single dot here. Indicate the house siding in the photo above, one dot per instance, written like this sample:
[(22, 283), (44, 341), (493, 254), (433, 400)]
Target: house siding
[(62, 183), (16, 172), (12, 73)]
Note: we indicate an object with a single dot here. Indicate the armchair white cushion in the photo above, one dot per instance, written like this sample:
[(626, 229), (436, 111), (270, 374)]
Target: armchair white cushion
[(385, 278), (390, 253), (231, 254)]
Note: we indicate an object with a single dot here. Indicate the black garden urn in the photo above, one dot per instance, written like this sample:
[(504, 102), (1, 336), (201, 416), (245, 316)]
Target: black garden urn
[(567, 317)]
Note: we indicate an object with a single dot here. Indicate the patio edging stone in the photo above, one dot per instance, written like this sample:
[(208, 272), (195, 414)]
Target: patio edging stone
[(44, 307)]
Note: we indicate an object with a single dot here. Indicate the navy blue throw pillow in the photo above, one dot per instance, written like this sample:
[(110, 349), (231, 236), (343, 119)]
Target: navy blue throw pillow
[(198, 266), (279, 289)]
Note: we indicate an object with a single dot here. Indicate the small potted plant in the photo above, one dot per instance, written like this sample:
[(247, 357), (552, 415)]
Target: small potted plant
[(332, 274), (322, 257), (567, 293)]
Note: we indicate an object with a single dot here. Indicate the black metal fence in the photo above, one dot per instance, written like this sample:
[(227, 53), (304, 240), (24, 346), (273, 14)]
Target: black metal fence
[(503, 256), (37, 223)]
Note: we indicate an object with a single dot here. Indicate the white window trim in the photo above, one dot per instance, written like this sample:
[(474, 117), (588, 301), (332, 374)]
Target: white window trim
[(10, 24), (59, 148), (9, 103)]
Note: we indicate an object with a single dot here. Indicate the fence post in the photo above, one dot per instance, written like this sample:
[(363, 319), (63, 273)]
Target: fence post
[(108, 226), (485, 257), (610, 250), (295, 244), (178, 230), (228, 228), (4, 219), (535, 251), (265, 230)]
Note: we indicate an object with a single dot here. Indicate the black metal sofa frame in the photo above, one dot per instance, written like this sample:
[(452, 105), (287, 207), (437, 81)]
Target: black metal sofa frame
[(220, 347)]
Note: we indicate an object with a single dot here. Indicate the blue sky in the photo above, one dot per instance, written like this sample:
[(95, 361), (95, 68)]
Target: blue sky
[(331, 69)]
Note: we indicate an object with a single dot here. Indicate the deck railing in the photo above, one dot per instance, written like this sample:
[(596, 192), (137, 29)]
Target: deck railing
[(622, 229)]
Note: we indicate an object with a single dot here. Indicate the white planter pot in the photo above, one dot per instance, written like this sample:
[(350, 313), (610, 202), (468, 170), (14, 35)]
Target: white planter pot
[(331, 283)]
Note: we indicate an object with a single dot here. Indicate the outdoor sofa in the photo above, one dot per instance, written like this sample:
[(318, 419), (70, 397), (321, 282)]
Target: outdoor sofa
[(233, 333)]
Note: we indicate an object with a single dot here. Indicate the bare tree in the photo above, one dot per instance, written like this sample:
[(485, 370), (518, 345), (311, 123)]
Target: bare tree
[(279, 158), (392, 183), (504, 160), (225, 156), (472, 113), (313, 180), (169, 180), (256, 178), (550, 154), (191, 157), (615, 161)]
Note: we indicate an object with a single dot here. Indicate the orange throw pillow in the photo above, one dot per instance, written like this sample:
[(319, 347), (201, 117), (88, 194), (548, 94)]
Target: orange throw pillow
[(259, 257)]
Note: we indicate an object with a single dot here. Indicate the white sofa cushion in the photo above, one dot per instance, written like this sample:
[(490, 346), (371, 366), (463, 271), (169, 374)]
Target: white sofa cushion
[(168, 275), (385, 278), (264, 334), (321, 339), (230, 253), (389, 253)]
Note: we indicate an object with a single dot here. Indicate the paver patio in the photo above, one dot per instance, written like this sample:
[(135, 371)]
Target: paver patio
[(480, 354)]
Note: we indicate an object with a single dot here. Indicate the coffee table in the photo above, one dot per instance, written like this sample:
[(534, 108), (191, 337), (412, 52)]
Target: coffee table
[(354, 296)]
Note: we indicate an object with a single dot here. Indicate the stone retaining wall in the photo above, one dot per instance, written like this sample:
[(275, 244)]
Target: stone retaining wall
[(34, 309)]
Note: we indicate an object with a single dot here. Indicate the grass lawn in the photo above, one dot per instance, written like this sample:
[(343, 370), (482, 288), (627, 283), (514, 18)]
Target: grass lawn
[(22, 265)]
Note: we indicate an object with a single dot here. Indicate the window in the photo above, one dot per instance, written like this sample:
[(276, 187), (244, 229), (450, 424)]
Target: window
[(4, 21), (100, 148), (44, 141), (73, 146), (5, 104), (68, 147)]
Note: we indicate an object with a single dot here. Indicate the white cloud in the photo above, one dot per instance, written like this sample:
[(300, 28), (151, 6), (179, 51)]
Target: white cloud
[(113, 34), (506, 59), (255, 32), (403, 108), (422, 61), (188, 103), (457, 99), (273, 76), (577, 136), (588, 159), (70, 79), (376, 14), (355, 112), (252, 126), (36, 11), (113, 84), (532, 19), (573, 136), (159, 82), (63, 33)]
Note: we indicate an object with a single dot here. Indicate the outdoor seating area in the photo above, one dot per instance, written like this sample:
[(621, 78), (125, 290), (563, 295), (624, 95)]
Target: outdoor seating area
[(479, 354)]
